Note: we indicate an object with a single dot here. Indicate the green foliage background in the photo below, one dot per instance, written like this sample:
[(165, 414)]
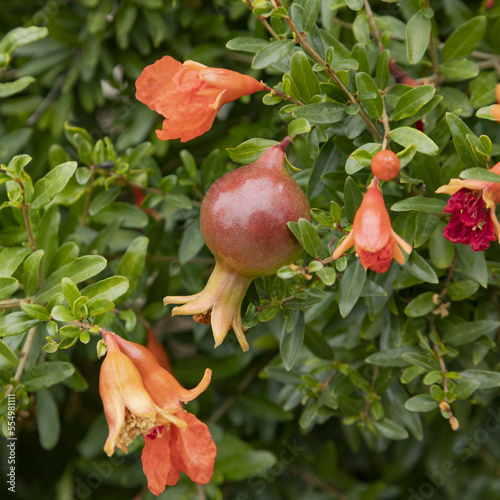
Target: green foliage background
[(338, 396)]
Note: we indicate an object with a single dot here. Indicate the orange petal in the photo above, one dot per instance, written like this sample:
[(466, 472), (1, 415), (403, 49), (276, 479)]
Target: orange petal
[(158, 351), (497, 92), (155, 79), (193, 450), (346, 243), (495, 111), (157, 463)]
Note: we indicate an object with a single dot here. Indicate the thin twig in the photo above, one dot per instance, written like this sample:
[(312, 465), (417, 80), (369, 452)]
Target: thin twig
[(318, 483), (371, 18), (201, 492), (387, 128), (27, 220), (11, 303), (282, 95), (23, 358), (264, 22)]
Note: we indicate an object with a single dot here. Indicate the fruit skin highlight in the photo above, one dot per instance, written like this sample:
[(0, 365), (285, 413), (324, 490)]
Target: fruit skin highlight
[(243, 220)]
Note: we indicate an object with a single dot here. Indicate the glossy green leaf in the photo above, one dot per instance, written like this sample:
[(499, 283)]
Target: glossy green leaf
[(272, 53), (7, 287), (79, 270), (110, 288), (412, 101), (191, 242), (389, 429), (16, 323), (133, 261), (460, 69), (250, 151), (311, 14), (460, 131), (11, 258), (417, 36), (321, 113), (369, 95), (46, 374), (464, 39), (35, 311), (405, 136), (421, 305), (31, 268), (465, 333), (291, 342), (421, 403), (351, 286), (21, 36), (47, 187), (420, 204), (7, 355), (11, 88), (246, 44), (480, 174)]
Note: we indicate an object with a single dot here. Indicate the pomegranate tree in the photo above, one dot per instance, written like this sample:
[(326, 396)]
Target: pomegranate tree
[(243, 220)]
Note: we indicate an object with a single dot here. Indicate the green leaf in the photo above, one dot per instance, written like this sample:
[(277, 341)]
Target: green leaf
[(11, 258), (425, 362), (7, 287), (16, 323), (308, 236), (250, 151), (461, 290), (461, 69), (7, 356), (420, 204), (272, 53), (47, 419), (327, 275), (110, 288), (79, 270), (70, 291), (21, 36), (321, 113), (47, 187), (62, 313), (11, 88), (304, 77), (352, 198), (460, 131), (405, 136), (467, 332), (35, 311), (383, 69), (311, 14), (103, 199), (474, 263), (417, 34), (246, 44), (486, 379), (291, 343), (31, 269), (300, 126), (464, 39), (421, 403), (191, 242), (133, 261), (419, 267), (412, 101), (391, 357), (480, 174), (389, 429), (421, 305), (369, 95), (46, 374), (99, 306), (351, 286)]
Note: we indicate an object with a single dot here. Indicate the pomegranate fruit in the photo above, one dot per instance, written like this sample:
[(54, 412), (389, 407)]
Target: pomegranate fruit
[(385, 165), (243, 220)]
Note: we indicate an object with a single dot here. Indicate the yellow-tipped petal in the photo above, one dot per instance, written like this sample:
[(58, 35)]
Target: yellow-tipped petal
[(347, 243)]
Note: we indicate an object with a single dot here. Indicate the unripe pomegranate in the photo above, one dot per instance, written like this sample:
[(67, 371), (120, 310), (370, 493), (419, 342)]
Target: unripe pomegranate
[(243, 220), (385, 165)]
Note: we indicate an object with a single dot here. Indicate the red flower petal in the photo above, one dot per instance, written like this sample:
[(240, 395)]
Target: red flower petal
[(380, 261), (193, 449), (157, 462)]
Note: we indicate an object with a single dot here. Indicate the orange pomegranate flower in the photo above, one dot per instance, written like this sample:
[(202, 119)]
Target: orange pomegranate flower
[(139, 396), (158, 351), (372, 235), (189, 95), (472, 207)]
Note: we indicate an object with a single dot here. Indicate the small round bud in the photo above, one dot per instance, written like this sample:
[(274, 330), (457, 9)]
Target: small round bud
[(385, 165), (454, 423), (444, 406)]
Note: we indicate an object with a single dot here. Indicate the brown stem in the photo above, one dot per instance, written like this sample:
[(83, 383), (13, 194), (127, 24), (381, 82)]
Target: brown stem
[(387, 128), (436, 67), (303, 41), (264, 21), (23, 357), (282, 95), (11, 303), (27, 221), (371, 18), (318, 483)]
